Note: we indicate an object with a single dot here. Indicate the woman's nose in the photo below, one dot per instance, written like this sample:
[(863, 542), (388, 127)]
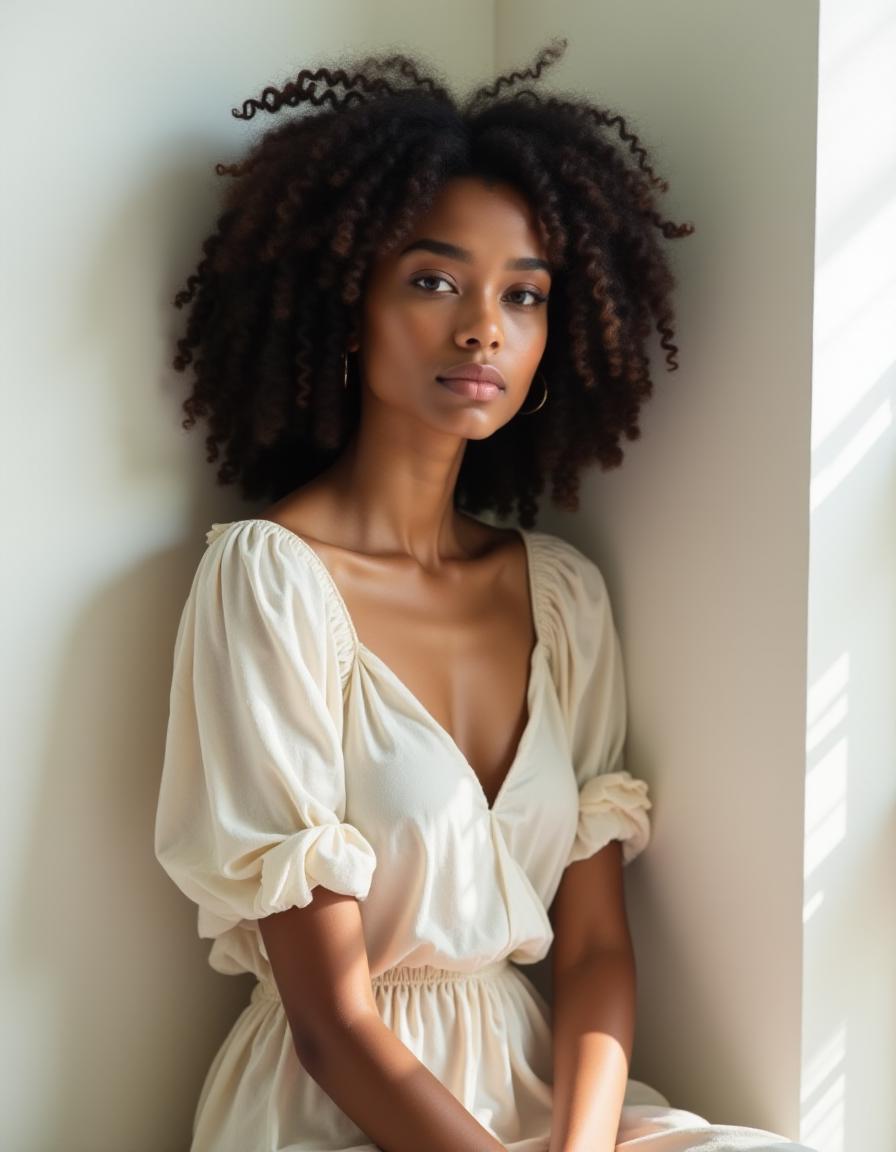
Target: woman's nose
[(480, 324)]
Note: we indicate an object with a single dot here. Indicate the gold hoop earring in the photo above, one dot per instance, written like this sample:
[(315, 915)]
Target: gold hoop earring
[(345, 369), (543, 399)]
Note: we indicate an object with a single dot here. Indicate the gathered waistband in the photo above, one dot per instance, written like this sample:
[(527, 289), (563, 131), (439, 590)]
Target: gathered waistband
[(427, 974), (404, 974)]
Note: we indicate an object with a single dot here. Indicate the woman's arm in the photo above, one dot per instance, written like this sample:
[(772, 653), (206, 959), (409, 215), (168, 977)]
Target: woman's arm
[(319, 961), (593, 973)]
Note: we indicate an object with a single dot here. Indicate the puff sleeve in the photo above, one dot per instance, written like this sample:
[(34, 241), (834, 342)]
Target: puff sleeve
[(613, 805), (250, 815)]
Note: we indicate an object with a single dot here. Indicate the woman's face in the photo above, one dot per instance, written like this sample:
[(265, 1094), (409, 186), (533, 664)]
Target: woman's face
[(468, 286)]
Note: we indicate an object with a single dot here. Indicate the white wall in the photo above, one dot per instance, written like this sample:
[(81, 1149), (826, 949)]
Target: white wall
[(849, 1024), (118, 112)]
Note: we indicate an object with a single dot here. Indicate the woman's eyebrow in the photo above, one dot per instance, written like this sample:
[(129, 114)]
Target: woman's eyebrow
[(441, 248)]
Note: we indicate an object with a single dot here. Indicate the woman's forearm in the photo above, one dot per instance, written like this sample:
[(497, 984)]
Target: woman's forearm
[(593, 1032), (390, 1094)]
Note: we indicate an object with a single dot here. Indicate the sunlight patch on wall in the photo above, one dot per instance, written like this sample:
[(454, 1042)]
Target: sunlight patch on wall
[(855, 341), (849, 457), (825, 800), (823, 1096), (825, 807)]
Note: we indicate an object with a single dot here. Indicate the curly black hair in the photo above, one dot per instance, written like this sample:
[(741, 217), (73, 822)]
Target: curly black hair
[(319, 197)]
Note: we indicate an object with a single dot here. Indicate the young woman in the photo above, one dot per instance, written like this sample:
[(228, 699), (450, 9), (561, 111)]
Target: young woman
[(393, 773)]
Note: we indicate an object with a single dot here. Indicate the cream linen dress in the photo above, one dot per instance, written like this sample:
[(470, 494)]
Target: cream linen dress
[(295, 757)]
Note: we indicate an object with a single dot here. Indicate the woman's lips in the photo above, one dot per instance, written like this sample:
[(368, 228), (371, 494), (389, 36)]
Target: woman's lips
[(473, 389), (473, 380)]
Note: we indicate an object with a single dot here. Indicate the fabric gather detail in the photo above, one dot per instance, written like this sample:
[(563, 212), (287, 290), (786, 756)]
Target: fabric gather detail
[(429, 974), (404, 974)]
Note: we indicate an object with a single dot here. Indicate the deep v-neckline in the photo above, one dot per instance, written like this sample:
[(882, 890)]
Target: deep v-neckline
[(368, 655)]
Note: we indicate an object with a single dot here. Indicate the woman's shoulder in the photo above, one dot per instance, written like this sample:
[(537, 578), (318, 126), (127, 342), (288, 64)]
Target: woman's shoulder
[(256, 570), (256, 536), (571, 595), (270, 560), (566, 570)]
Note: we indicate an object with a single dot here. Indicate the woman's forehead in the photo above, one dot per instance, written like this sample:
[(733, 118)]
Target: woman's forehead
[(470, 220), (468, 256)]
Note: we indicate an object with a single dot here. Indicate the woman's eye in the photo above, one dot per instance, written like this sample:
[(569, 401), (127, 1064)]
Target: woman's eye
[(537, 297), (431, 276)]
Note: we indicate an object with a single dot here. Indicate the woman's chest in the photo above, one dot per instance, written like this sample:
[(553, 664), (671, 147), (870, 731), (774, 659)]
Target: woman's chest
[(454, 874), (458, 649), (413, 793)]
